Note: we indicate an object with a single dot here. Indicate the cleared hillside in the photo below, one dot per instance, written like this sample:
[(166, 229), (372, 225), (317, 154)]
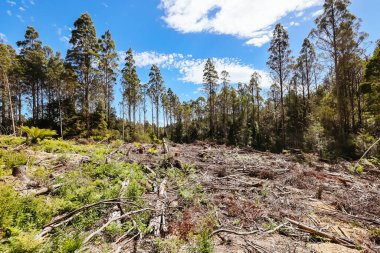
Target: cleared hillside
[(67, 196)]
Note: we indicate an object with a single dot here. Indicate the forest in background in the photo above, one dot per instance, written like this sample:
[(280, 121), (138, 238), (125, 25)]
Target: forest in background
[(324, 99)]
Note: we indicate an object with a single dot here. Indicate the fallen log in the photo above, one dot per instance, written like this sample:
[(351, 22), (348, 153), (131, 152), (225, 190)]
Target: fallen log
[(45, 190), (158, 223)]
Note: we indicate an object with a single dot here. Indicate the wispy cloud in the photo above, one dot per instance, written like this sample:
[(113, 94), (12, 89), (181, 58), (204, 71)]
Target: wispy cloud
[(63, 33), (294, 23), (317, 13), (251, 20), (105, 5), (3, 38), (299, 14), (31, 2), (190, 69), (11, 3), (21, 8), (64, 39), (9, 12), (20, 18)]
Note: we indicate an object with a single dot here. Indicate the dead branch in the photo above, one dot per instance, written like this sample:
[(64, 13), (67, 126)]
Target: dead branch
[(223, 230), (120, 248), (275, 229), (355, 217), (108, 157), (64, 218), (45, 190), (124, 236), (365, 153), (19, 147), (126, 215), (124, 185), (257, 247), (81, 209), (149, 169), (342, 241)]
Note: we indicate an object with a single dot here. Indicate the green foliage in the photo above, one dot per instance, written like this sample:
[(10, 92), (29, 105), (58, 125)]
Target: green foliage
[(35, 133), (24, 243), (113, 229), (42, 175), (362, 141), (359, 168), (10, 141), (134, 191), (25, 213), (152, 150), (12, 159), (56, 146), (172, 244), (117, 143), (204, 242), (8, 205), (99, 124), (64, 242)]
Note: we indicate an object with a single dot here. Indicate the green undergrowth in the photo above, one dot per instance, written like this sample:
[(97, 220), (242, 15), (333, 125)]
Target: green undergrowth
[(95, 179), (23, 216), (10, 159)]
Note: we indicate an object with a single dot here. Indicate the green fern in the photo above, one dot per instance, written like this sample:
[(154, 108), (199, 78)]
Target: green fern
[(35, 133)]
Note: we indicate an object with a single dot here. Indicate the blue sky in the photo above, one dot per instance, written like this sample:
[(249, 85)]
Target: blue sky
[(178, 35)]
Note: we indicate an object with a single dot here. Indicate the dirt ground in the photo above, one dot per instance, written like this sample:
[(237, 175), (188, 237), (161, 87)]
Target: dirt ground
[(259, 191), (262, 202)]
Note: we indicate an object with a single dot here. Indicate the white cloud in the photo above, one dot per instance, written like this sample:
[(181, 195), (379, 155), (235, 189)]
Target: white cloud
[(294, 23), (3, 38), (163, 60), (21, 8), (31, 2), (64, 39), (299, 14), (63, 33), (9, 12), (20, 18), (260, 39), (247, 19), (317, 13), (11, 3), (191, 69), (59, 31), (105, 5)]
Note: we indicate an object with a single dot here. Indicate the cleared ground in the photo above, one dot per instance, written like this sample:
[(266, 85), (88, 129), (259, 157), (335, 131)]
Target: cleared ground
[(239, 200)]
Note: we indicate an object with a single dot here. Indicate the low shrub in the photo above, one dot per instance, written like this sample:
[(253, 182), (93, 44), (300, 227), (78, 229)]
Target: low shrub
[(34, 133), (11, 159)]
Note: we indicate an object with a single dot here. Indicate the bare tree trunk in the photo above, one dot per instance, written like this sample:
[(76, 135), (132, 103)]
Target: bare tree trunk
[(144, 111), (60, 112), (10, 104), (152, 118), (157, 118), (42, 101), (123, 116)]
